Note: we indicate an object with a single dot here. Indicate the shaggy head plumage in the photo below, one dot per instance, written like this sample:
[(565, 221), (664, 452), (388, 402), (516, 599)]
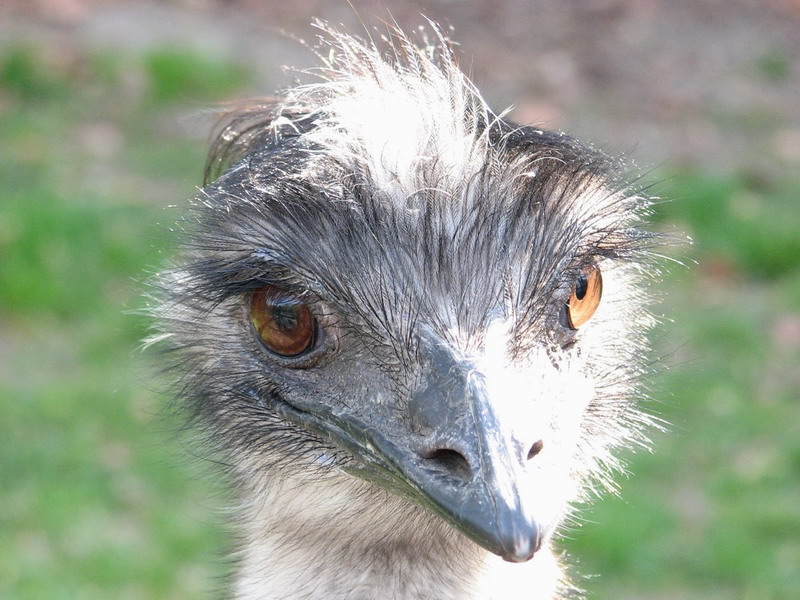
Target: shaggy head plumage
[(437, 248)]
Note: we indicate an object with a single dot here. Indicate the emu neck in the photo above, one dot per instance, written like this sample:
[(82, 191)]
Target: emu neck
[(337, 537)]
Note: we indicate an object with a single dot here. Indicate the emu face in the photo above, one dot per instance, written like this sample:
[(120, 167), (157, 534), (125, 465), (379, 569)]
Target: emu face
[(392, 282)]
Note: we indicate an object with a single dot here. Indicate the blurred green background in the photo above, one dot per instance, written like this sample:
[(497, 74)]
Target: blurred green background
[(99, 143)]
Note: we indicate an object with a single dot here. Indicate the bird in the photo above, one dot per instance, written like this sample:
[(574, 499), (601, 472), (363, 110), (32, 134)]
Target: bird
[(412, 331)]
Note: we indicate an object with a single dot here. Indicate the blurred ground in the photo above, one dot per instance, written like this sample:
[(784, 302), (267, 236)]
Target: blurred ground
[(692, 82), (103, 123)]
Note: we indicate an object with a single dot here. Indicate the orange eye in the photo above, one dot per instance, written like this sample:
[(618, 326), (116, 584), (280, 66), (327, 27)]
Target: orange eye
[(284, 324), (585, 297)]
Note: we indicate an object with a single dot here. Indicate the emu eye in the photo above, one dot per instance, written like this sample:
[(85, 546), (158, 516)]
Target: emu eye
[(585, 297), (284, 324)]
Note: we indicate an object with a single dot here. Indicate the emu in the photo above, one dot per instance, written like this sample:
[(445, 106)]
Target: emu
[(412, 330)]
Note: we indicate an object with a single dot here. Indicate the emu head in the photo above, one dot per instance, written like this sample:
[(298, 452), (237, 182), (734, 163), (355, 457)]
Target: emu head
[(389, 281)]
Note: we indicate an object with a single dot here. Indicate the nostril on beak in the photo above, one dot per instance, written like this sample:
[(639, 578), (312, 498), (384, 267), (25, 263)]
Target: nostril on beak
[(535, 449), (451, 462)]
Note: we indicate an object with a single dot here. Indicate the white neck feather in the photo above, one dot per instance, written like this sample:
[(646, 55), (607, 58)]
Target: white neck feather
[(338, 537)]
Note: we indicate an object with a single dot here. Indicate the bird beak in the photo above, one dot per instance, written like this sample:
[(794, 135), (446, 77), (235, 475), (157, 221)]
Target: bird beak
[(460, 460), (469, 464)]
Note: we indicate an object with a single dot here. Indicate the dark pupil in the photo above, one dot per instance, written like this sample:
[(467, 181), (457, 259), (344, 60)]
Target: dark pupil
[(581, 286), (285, 316)]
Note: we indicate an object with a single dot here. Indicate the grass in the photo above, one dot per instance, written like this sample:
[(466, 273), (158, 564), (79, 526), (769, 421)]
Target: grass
[(96, 502), (96, 497)]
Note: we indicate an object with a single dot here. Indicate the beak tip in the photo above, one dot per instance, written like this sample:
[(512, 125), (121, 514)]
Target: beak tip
[(522, 548)]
